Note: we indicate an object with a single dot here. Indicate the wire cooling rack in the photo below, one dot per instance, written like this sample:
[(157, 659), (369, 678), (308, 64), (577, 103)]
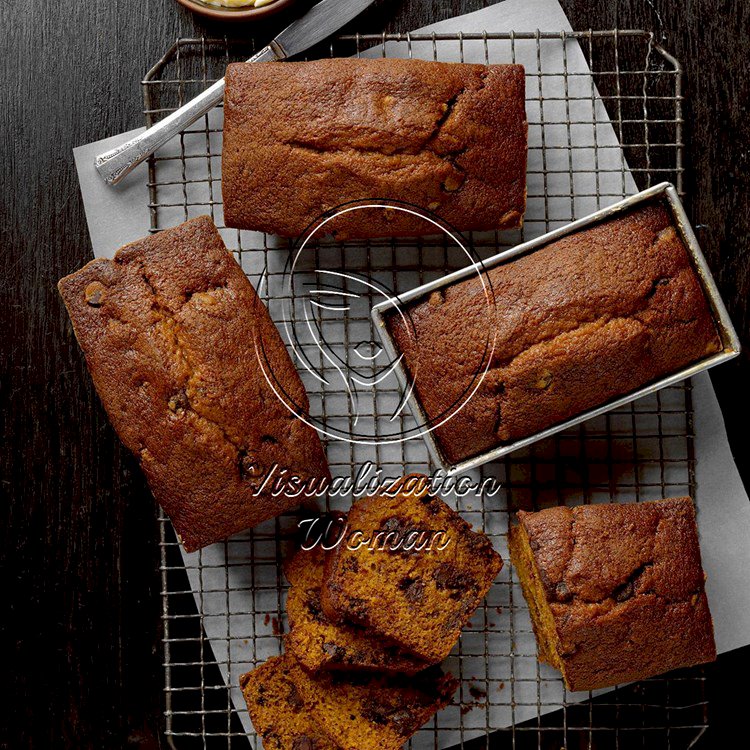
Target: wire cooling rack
[(223, 608)]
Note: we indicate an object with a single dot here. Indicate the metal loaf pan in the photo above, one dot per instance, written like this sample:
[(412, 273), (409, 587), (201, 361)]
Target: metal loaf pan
[(729, 339)]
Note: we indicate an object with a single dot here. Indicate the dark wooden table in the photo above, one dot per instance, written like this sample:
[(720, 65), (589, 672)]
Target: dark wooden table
[(79, 536)]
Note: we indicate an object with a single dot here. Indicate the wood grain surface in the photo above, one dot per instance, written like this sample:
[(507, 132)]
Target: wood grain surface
[(79, 536)]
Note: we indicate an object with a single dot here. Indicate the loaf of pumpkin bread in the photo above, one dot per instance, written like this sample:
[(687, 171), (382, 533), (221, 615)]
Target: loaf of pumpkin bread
[(179, 347), (303, 138), (563, 329), (616, 591)]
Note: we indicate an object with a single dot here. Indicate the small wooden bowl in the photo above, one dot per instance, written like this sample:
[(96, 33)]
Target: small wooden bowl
[(234, 14)]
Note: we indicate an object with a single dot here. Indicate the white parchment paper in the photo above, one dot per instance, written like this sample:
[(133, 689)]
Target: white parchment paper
[(240, 599)]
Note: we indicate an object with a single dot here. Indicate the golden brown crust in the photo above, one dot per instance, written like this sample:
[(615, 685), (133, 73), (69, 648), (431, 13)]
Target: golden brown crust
[(303, 138), (585, 319), (419, 599), (625, 588), (169, 329), (319, 644)]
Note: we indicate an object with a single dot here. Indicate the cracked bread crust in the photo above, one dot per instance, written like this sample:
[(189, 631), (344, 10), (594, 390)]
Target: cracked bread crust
[(624, 586), (169, 329), (303, 138), (277, 710), (358, 711), (319, 644), (420, 599), (589, 317)]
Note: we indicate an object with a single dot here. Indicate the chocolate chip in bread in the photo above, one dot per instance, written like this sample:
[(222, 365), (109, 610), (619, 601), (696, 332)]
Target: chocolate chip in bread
[(421, 595), (277, 710), (317, 643), (358, 711)]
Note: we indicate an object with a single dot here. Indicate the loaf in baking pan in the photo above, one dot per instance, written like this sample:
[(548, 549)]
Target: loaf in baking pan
[(179, 347), (418, 575), (616, 591), (555, 332), (303, 138)]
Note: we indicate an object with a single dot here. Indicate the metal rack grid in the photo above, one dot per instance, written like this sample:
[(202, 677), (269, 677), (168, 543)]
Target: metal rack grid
[(641, 452)]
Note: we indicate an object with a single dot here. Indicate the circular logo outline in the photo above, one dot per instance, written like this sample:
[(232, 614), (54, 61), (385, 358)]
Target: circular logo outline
[(424, 424)]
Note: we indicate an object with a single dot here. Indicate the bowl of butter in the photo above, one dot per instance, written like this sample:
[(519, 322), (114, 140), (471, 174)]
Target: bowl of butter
[(235, 10)]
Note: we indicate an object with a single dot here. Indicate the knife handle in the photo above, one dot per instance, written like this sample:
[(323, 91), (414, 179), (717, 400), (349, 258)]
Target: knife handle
[(115, 164)]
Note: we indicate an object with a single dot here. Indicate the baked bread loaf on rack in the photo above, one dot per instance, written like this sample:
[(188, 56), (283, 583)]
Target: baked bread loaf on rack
[(317, 643), (576, 323), (418, 576), (179, 345), (356, 711), (302, 138), (616, 591)]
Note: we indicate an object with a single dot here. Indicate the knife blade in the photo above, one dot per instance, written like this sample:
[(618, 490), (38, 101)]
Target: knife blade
[(314, 26)]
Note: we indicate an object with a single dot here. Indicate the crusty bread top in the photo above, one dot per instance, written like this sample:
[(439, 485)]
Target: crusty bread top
[(303, 138), (575, 323), (317, 643), (174, 335), (625, 586)]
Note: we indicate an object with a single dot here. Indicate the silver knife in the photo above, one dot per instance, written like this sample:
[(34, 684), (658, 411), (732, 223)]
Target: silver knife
[(317, 24)]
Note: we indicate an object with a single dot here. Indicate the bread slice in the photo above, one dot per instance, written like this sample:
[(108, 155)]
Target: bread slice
[(317, 643), (616, 591), (359, 711), (418, 593), (277, 710)]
